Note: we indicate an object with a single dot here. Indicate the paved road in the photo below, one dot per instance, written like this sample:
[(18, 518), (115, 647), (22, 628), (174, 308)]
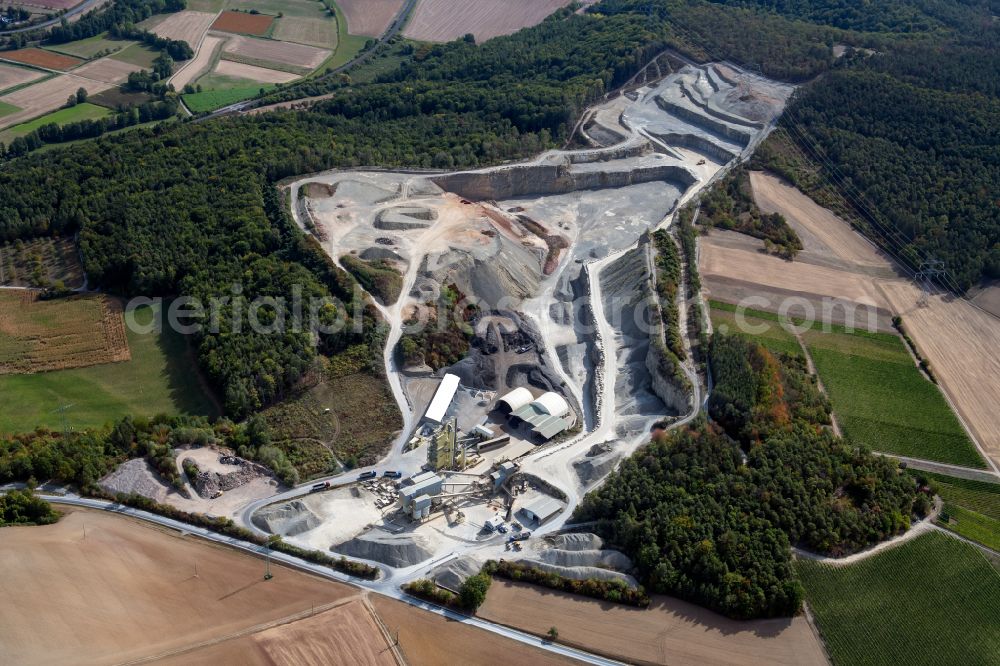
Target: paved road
[(82, 7), (379, 587)]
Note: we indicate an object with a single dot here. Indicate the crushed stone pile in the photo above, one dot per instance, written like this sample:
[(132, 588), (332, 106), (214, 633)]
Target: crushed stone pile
[(395, 550), (600, 460), (580, 573), (452, 574), (575, 541), (207, 484), (286, 519), (586, 558)]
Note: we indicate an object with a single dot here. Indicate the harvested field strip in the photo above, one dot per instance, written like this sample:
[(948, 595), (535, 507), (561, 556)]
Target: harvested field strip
[(36, 335), (45, 96), (253, 72), (187, 25), (369, 17), (883, 401), (200, 64), (298, 55), (979, 496), (138, 54), (924, 602), (107, 70), (973, 526), (129, 591), (41, 58), (88, 48), (320, 32), (348, 45), (160, 378), (294, 70), (12, 76), (669, 631), (85, 111), (243, 23), (445, 20)]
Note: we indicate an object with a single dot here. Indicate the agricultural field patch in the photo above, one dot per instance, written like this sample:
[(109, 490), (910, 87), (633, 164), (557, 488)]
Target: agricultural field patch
[(275, 7), (348, 45), (271, 51), (37, 335), (113, 98), (7, 109), (186, 25), (883, 401), (41, 58), (916, 603), (973, 526), (369, 17), (40, 263), (108, 70), (253, 73), (767, 332), (243, 23), (91, 46), (48, 4), (12, 75), (445, 20), (85, 111), (45, 96), (200, 64), (979, 496), (161, 377), (137, 54), (320, 32), (211, 100)]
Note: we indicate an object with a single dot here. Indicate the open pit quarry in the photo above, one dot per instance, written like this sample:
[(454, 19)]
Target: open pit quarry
[(555, 253)]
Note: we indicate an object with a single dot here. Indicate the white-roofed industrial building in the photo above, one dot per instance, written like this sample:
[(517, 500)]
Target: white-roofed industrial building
[(438, 409), (546, 415), (542, 509), (515, 400)]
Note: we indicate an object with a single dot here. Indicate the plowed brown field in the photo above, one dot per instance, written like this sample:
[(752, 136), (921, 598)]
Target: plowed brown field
[(668, 632), (41, 58), (241, 22), (98, 588)]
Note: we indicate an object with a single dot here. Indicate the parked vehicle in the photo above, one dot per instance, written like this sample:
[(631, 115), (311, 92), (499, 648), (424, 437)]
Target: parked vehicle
[(320, 486), (367, 475), (502, 529), (392, 474)]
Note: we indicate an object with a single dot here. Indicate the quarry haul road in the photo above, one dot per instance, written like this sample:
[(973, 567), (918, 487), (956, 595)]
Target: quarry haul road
[(377, 587)]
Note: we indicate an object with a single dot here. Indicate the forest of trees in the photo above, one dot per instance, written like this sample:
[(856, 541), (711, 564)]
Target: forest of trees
[(709, 512), (22, 507)]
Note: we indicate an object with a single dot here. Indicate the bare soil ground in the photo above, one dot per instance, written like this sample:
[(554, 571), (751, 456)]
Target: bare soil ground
[(668, 632), (40, 98), (298, 55), (252, 72), (42, 58), (820, 229), (200, 64), (445, 20), (240, 22), (75, 332), (961, 344), (426, 639), (346, 634), (11, 76), (749, 265), (988, 298), (186, 25), (97, 588), (369, 17), (107, 70)]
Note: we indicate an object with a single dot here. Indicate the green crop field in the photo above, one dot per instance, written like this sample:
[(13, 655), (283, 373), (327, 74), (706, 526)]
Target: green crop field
[(971, 525), (85, 111), (775, 338), (979, 496), (348, 45), (934, 600), (88, 48), (211, 100), (7, 109), (883, 401), (160, 378)]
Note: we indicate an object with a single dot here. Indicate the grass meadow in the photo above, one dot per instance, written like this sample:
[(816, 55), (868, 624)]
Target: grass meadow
[(160, 377), (923, 602), (210, 100), (85, 111)]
